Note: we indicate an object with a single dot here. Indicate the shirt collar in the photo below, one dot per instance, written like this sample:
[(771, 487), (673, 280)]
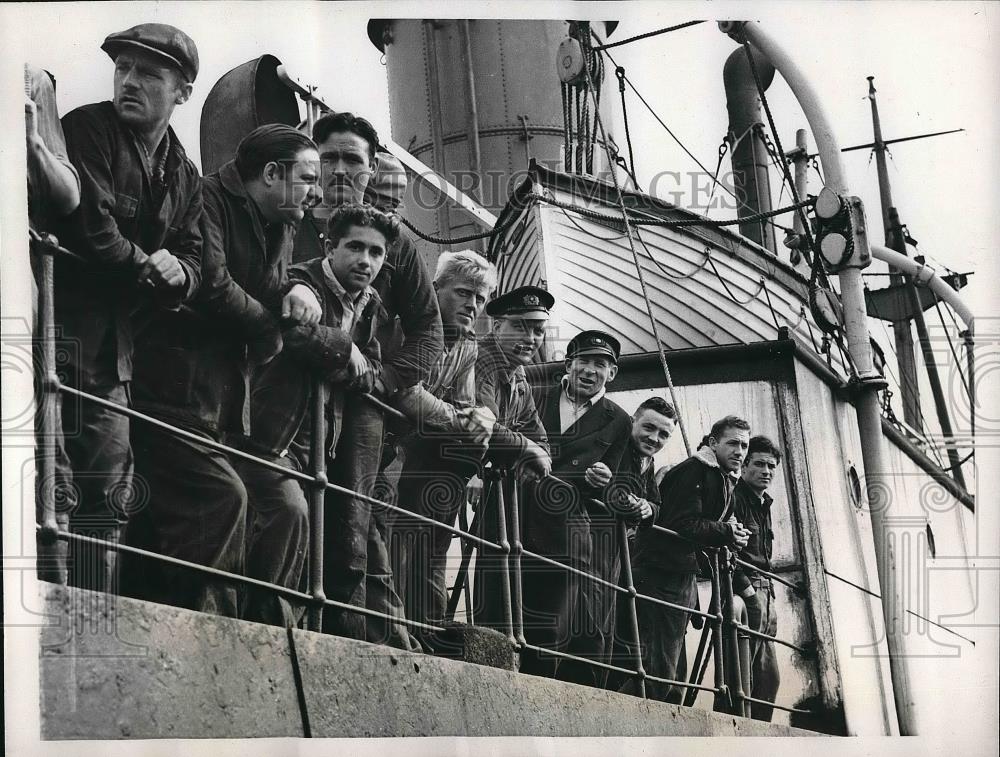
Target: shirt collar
[(333, 284), (564, 383)]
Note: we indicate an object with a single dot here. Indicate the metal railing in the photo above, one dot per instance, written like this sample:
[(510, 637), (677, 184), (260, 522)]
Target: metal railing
[(725, 634)]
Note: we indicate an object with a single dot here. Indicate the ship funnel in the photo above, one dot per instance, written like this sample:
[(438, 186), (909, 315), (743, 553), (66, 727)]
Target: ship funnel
[(476, 100), (749, 155)]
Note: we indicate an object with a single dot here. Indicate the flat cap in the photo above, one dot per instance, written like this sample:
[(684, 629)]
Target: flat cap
[(593, 343), (388, 185), (165, 41), (525, 302)]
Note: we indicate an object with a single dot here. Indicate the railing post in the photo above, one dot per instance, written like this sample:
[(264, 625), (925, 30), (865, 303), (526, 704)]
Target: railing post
[(51, 557), (743, 639), (317, 499), (504, 557), (732, 649), (715, 608), (626, 558), (517, 609)]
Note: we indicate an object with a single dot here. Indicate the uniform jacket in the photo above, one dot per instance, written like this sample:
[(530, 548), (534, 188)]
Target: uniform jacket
[(120, 215), (191, 365), (695, 498), (755, 513), (504, 389), (404, 286), (601, 434), (280, 403)]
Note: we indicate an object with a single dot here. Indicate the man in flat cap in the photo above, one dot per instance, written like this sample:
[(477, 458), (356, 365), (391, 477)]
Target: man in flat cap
[(137, 230), (588, 436), (518, 442)]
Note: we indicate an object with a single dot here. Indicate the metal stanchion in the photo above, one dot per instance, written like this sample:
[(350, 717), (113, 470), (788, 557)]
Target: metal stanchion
[(626, 559), (504, 558), (517, 609), (697, 666), (731, 648), (715, 608), (317, 498), (51, 557), (745, 678)]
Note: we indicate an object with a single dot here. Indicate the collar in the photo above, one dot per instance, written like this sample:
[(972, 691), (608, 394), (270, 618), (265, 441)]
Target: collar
[(564, 383), (358, 300), (764, 498)]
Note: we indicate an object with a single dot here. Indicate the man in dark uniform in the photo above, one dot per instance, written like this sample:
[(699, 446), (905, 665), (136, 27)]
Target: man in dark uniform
[(137, 228), (191, 369), (518, 442), (588, 435), (752, 505), (696, 501)]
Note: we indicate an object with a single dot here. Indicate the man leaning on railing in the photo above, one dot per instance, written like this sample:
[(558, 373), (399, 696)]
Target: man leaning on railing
[(191, 366), (137, 229), (443, 444), (696, 501)]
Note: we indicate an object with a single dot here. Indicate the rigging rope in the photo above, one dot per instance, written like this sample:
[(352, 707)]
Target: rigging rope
[(620, 73), (642, 279), (647, 35)]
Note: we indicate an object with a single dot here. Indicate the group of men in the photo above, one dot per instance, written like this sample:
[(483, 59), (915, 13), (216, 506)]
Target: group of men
[(229, 306)]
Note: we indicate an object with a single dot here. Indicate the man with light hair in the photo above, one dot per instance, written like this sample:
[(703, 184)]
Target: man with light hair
[(443, 442)]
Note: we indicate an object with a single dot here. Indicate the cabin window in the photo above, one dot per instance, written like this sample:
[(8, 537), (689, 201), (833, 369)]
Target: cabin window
[(855, 485)]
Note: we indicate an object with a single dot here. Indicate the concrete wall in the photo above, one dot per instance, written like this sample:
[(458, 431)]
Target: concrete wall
[(117, 668)]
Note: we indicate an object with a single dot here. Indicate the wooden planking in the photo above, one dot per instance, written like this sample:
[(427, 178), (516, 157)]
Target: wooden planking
[(698, 307)]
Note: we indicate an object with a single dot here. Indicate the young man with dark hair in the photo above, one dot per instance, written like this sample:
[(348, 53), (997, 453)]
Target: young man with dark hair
[(342, 352), (752, 505), (137, 229), (347, 146), (192, 366), (652, 426), (696, 498)]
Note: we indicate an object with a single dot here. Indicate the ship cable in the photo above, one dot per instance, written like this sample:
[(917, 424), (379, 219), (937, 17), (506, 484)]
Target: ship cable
[(647, 35), (740, 204), (642, 279)]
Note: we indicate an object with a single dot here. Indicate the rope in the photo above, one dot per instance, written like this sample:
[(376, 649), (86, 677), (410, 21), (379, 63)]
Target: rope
[(725, 286), (642, 280), (620, 73), (647, 35), (500, 228)]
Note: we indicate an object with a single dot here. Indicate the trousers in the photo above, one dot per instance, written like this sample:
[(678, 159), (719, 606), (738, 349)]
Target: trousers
[(277, 540), (196, 511), (764, 674)]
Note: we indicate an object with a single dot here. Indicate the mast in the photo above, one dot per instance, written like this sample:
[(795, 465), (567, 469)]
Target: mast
[(894, 239), (903, 337)]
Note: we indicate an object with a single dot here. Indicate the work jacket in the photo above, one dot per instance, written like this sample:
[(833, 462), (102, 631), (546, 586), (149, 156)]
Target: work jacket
[(695, 499), (408, 297), (121, 215), (191, 366), (282, 390), (504, 389), (755, 513)]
